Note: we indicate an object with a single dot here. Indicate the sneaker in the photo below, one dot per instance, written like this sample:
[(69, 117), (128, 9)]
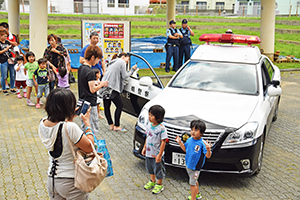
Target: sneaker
[(41, 103), (5, 93), (24, 95), (29, 103), (19, 96), (149, 185), (101, 108), (13, 91), (157, 189), (38, 105), (198, 196)]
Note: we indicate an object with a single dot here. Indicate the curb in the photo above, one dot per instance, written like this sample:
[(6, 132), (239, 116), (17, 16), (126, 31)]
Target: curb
[(290, 70)]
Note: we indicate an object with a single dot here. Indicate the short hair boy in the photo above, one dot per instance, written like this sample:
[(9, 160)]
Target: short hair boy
[(154, 148), (41, 81), (196, 150)]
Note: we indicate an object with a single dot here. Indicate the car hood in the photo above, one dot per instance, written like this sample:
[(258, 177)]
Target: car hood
[(218, 109)]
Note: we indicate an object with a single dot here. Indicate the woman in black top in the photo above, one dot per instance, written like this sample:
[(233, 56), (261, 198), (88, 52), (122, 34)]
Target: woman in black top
[(55, 54), (5, 49)]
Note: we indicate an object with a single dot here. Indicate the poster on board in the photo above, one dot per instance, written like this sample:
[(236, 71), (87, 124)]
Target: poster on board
[(114, 36)]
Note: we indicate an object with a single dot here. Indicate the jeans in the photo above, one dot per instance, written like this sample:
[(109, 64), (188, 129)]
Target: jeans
[(94, 121), (186, 51), (173, 51), (41, 89), (4, 68)]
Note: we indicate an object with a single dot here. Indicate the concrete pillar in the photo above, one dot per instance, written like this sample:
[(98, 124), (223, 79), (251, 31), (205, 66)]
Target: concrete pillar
[(38, 23), (267, 27), (14, 16), (170, 11)]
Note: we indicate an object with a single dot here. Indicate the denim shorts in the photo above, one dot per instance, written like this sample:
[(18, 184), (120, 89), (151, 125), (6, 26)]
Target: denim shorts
[(30, 83), (158, 169), (193, 176), (45, 89)]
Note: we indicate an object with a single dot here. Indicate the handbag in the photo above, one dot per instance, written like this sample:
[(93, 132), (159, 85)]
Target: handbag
[(51, 73), (90, 169), (105, 92), (100, 146)]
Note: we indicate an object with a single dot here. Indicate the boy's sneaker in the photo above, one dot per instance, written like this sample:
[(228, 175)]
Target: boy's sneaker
[(38, 105), (41, 103), (5, 93), (24, 95), (29, 103), (198, 196), (19, 96), (157, 189), (149, 185)]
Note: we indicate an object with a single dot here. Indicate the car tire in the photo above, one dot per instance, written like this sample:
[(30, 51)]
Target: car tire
[(260, 155), (276, 110)]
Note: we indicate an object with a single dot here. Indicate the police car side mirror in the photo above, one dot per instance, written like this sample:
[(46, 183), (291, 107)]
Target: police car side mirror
[(146, 81), (274, 90)]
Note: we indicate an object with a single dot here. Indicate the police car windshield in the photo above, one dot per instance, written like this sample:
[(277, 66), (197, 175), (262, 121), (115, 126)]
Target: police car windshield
[(214, 76)]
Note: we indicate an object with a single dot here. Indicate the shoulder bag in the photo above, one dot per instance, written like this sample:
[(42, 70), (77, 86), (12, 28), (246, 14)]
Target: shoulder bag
[(105, 92), (90, 170)]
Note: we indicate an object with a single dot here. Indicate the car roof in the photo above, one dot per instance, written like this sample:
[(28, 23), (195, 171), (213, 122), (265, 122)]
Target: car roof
[(227, 53)]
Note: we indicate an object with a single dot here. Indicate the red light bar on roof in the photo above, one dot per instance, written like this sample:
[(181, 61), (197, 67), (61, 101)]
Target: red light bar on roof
[(230, 38)]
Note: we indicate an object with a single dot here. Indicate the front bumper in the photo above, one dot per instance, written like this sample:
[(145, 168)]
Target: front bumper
[(222, 160)]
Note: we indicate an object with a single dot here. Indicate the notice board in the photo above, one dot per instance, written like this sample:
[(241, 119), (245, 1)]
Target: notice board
[(114, 36)]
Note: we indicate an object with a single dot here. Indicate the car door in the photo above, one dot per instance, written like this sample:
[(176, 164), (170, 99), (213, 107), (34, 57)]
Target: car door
[(269, 101), (139, 90)]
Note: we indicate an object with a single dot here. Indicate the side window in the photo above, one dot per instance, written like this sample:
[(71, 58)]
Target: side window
[(265, 77), (270, 68)]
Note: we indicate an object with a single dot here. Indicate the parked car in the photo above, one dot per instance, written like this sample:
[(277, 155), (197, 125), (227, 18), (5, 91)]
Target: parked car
[(234, 89)]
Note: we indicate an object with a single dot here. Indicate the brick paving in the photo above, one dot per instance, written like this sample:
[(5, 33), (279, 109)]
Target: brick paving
[(24, 160)]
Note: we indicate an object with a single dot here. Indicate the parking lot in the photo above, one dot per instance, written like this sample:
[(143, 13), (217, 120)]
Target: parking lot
[(24, 160)]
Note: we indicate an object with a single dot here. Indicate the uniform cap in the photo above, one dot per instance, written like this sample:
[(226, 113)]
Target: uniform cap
[(172, 22), (184, 21)]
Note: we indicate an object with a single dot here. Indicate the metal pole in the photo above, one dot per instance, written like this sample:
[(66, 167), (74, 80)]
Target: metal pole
[(290, 11), (297, 10)]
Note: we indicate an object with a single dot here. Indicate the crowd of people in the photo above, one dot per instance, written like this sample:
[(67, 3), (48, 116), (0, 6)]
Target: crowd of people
[(49, 77)]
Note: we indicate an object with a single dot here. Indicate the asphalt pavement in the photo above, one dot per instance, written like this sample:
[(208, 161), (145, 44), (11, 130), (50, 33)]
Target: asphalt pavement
[(24, 159)]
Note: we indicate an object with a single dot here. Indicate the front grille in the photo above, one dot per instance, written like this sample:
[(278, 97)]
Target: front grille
[(210, 134)]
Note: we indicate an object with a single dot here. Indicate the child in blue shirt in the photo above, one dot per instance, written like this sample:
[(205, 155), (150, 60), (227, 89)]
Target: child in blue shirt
[(196, 150), (154, 148)]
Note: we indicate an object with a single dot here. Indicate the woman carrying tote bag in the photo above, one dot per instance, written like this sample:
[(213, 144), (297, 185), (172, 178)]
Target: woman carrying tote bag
[(60, 107)]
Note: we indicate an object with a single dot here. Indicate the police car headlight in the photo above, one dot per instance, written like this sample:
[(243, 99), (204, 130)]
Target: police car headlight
[(242, 137), (143, 119)]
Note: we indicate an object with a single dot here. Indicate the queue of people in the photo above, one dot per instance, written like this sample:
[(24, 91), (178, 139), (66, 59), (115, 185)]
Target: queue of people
[(61, 103)]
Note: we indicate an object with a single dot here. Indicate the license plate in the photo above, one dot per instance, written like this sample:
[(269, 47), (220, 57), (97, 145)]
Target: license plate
[(178, 159)]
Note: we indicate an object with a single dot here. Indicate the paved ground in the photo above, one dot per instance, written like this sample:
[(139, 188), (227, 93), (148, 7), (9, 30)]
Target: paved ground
[(24, 160)]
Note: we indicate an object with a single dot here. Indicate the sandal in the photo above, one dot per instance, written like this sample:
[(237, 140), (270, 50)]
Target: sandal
[(111, 127), (122, 130)]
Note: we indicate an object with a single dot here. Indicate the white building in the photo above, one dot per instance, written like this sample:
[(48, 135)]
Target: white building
[(208, 4), (112, 7)]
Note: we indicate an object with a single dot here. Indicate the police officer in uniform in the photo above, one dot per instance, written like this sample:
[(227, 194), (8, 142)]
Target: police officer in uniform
[(172, 46), (185, 42)]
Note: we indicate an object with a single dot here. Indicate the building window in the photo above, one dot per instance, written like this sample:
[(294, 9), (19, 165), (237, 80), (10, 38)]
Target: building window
[(201, 5), (185, 2), (123, 3), (220, 5), (110, 3)]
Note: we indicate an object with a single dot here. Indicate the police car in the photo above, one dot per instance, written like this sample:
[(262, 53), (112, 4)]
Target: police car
[(234, 89)]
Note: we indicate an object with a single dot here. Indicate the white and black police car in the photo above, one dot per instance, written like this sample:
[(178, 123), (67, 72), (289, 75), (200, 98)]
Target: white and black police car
[(234, 89)]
